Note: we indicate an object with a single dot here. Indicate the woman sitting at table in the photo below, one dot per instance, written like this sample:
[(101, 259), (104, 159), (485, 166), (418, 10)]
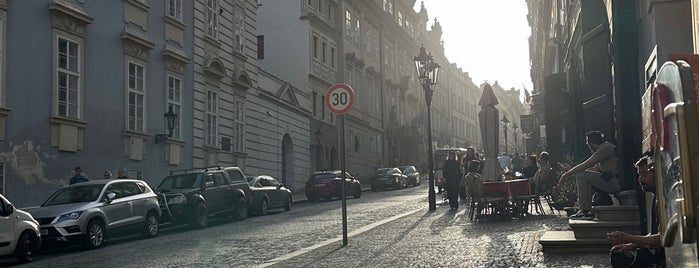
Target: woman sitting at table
[(473, 181)]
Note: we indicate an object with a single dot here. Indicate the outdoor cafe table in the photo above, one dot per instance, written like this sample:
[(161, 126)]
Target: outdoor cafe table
[(510, 189)]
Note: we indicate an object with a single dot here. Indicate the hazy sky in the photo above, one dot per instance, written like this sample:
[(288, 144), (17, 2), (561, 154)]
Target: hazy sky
[(486, 38)]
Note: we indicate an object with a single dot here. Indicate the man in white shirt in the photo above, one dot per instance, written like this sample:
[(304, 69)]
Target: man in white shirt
[(504, 161)]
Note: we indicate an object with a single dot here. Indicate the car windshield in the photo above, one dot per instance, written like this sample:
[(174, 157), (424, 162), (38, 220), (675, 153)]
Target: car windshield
[(181, 181), (405, 169), (75, 194), (324, 176)]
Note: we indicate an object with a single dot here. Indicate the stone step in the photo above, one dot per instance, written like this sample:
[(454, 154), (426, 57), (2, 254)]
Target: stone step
[(591, 229), (616, 213), (565, 242)]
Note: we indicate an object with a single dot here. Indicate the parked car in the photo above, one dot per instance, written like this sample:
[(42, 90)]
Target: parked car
[(194, 195), (268, 193), (388, 178), (327, 184), (89, 211), (412, 173), (19, 232)]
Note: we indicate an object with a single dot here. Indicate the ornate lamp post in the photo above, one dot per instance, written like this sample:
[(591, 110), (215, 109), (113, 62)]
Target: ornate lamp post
[(514, 133), (505, 122), (170, 118), (427, 72)]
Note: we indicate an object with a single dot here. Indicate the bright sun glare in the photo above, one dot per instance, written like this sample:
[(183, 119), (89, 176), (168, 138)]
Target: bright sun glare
[(487, 38)]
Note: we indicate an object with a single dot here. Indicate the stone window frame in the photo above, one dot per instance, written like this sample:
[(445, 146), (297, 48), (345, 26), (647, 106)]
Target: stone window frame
[(239, 28), (67, 71), (174, 9), (348, 23), (211, 17), (142, 92), (212, 118), (175, 99), (239, 126)]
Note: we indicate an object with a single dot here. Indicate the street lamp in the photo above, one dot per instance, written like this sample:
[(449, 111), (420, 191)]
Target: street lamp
[(505, 122), (514, 133), (427, 73), (170, 118)]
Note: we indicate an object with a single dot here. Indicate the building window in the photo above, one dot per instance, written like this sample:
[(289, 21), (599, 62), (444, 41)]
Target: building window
[(333, 52), (324, 54), (239, 28), (239, 122), (348, 23), (315, 47), (211, 118), (2, 54), (260, 47), (174, 9), (357, 32), (174, 101), (2, 178), (68, 78), (400, 18), (322, 109), (315, 105), (136, 97), (212, 18)]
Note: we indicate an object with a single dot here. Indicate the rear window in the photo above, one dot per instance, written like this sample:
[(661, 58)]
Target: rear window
[(182, 181), (323, 176)]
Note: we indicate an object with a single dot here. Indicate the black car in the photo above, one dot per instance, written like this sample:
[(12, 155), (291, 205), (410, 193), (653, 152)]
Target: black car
[(268, 193), (388, 178), (193, 195), (412, 173)]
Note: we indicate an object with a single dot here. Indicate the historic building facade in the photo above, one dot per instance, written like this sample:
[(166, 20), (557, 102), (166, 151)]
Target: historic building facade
[(90, 85)]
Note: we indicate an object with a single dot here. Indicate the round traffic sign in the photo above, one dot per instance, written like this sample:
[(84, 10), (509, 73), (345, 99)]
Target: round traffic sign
[(340, 98)]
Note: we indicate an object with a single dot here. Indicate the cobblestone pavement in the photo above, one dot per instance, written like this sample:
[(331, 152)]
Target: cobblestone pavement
[(308, 235), (449, 239)]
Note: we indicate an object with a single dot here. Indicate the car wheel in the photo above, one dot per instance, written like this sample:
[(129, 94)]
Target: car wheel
[(264, 207), (240, 211), (201, 215), (26, 248), (95, 234), (152, 225), (358, 192), (289, 202)]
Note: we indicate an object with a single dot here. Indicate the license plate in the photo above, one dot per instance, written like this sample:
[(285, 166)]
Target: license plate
[(44, 232), (320, 185)]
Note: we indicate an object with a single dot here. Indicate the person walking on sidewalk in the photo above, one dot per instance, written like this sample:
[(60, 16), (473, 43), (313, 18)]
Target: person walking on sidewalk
[(640, 250), (452, 174), (598, 171), (78, 177)]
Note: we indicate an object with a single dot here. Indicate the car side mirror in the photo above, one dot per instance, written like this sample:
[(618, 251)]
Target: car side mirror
[(208, 184), (279, 186), (110, 197)]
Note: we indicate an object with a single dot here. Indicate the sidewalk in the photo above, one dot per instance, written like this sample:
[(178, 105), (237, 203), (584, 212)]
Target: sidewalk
[(447, 239)]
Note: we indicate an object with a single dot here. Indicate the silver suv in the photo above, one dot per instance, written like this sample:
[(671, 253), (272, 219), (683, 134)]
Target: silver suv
[(19, 232), (87, 211)]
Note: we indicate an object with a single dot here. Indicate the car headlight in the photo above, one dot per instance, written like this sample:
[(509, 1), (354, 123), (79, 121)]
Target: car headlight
[(177, 200), (70, 216)]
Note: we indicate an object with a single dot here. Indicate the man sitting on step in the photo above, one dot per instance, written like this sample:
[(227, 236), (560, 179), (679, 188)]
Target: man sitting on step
[(637, 250), (597, 171)]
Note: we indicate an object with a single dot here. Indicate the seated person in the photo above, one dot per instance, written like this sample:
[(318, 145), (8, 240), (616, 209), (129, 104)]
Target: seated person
[(473, 181), (598, 171), (640, 250), (544, 178), (530, 167)]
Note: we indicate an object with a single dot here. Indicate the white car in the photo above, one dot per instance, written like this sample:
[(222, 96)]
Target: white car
[(19, 232)]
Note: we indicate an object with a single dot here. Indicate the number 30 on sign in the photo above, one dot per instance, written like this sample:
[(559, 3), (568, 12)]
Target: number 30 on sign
[(339, 99)]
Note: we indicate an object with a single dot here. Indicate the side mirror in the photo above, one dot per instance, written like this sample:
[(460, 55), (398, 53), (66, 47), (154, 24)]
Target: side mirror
[(279, 186), (110, 197), (208, 184)]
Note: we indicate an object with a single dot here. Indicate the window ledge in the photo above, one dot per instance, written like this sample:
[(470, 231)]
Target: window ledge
[(174, 22), (211, 40), (131, 133), (4, 111), (175, 141), (70, 10), (139, 4), (68, 121)]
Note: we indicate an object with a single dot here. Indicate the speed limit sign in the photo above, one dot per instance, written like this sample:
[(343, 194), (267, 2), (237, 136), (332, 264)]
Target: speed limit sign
[(339, 99)]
